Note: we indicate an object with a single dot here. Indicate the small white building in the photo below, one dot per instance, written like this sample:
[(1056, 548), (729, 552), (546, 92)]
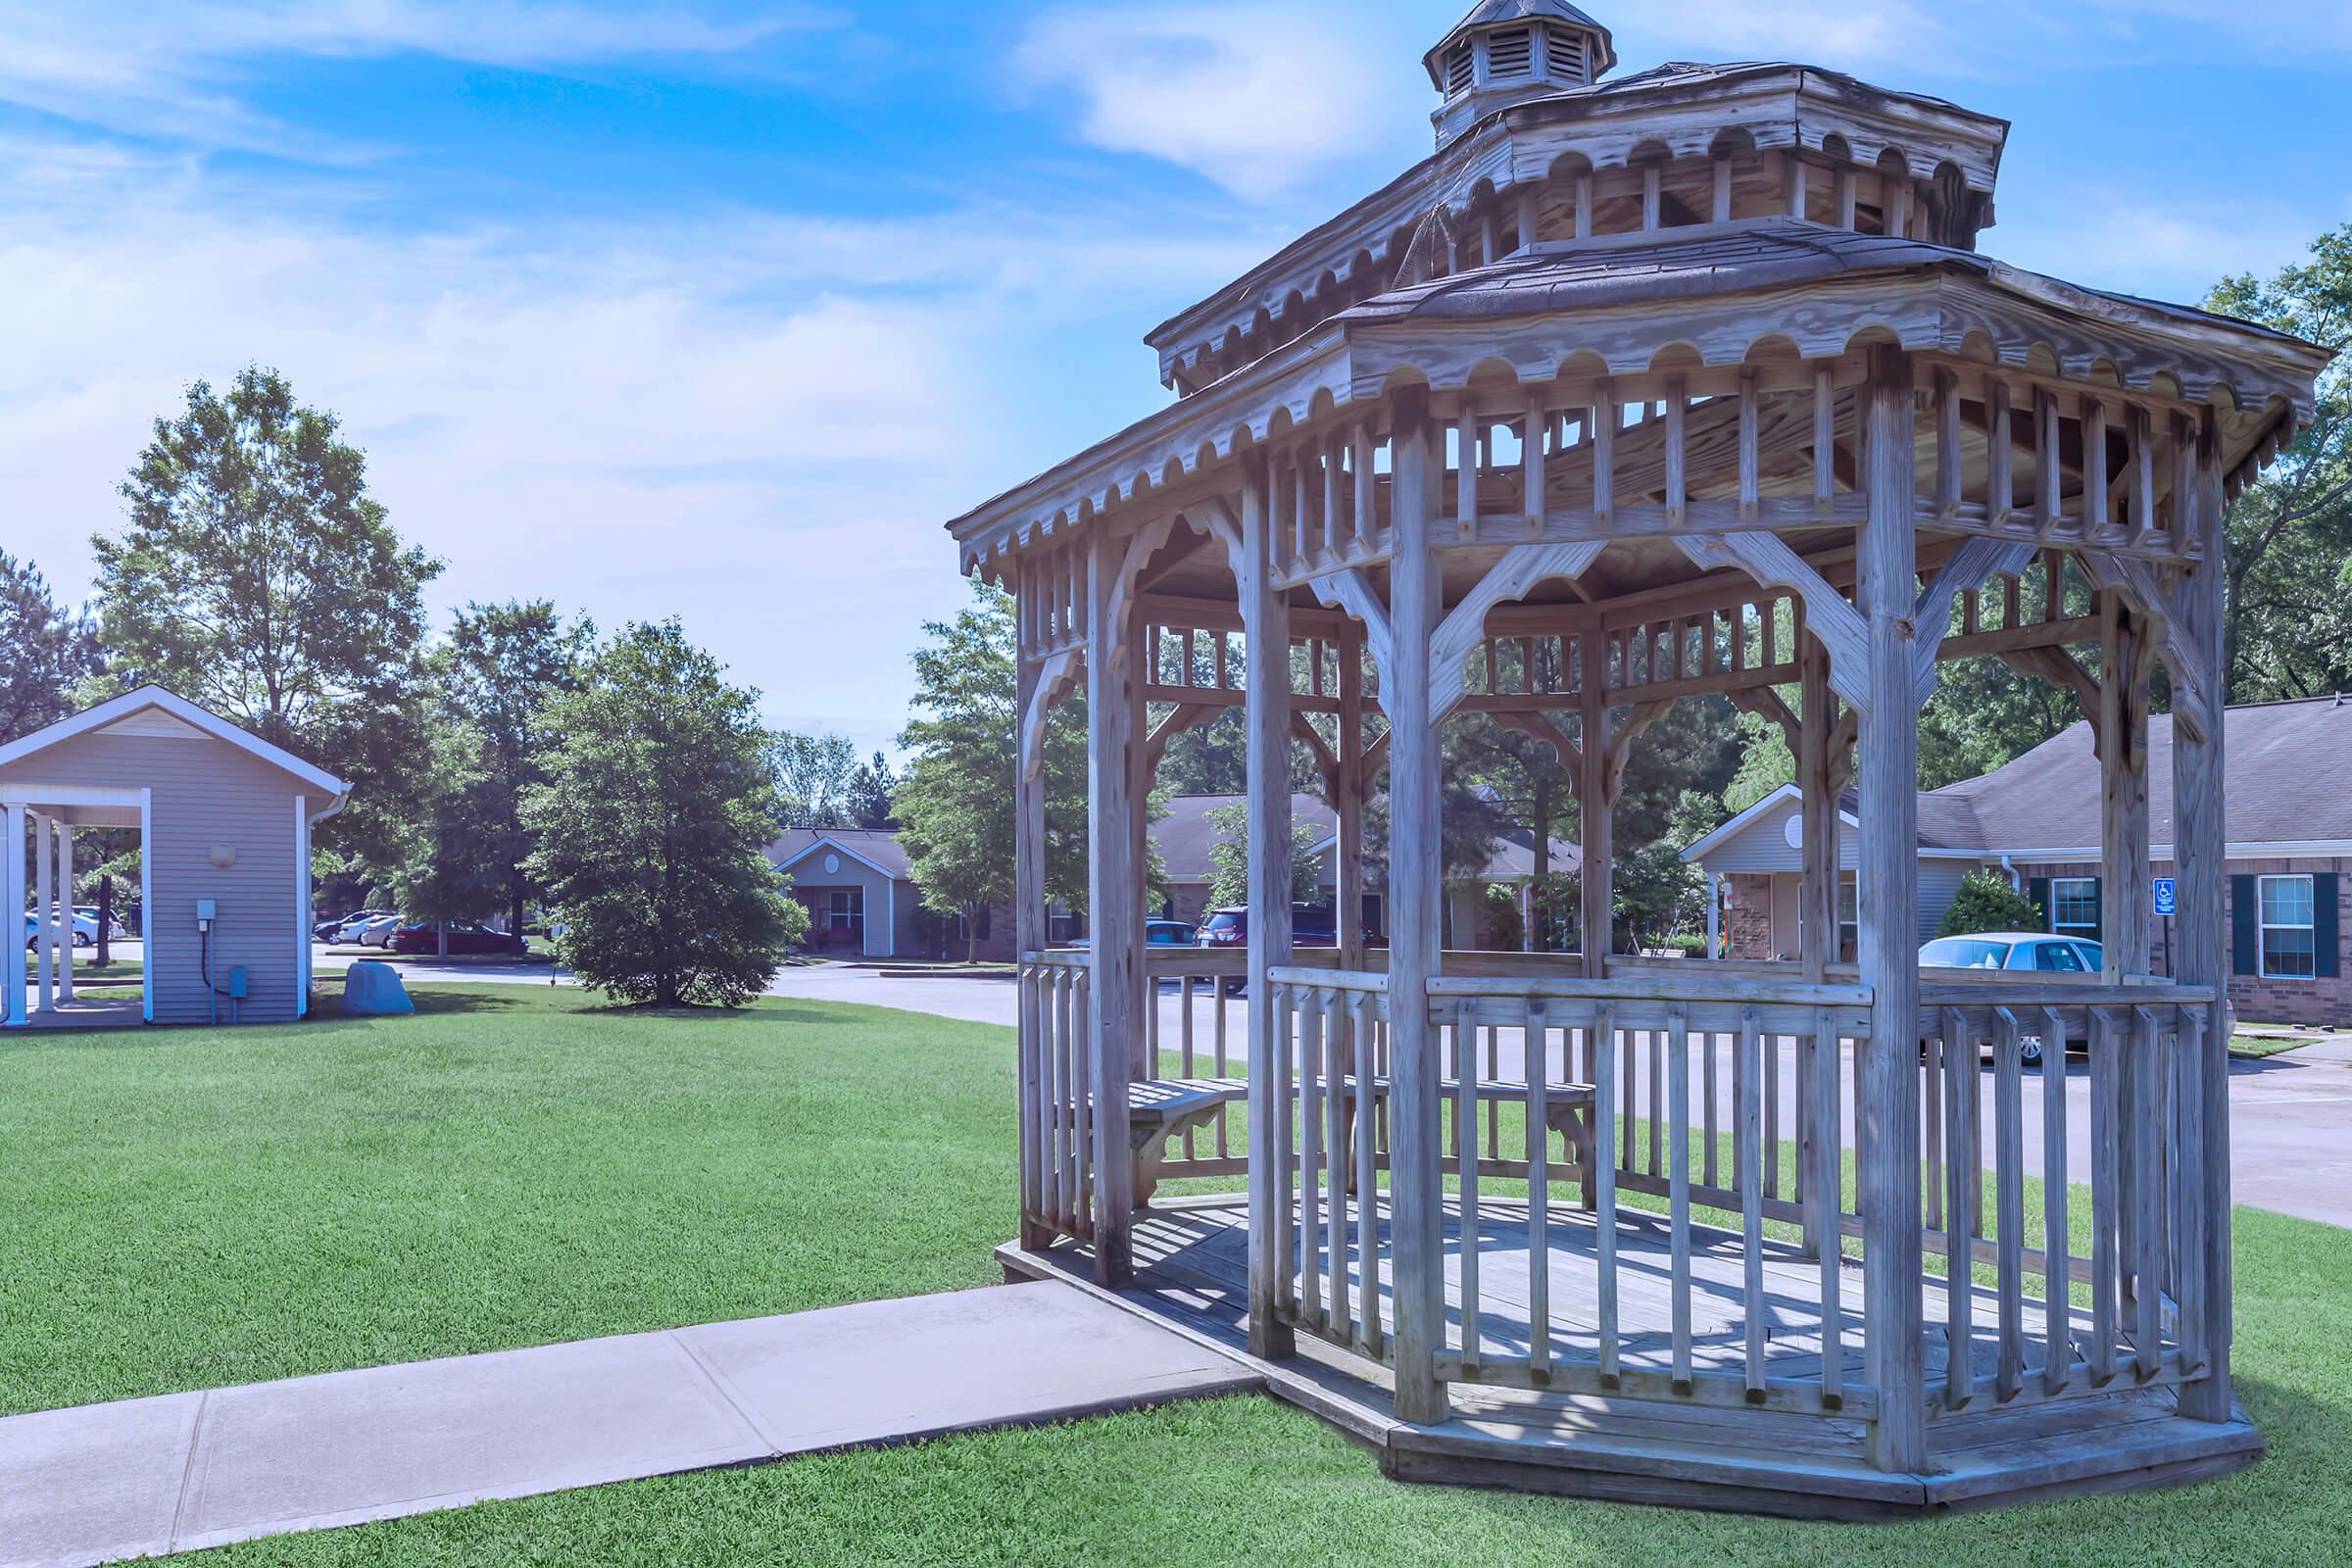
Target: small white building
[(224, 824)]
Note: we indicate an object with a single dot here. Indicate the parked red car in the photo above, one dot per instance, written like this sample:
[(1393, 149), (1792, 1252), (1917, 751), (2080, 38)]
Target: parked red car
[(464, 937)]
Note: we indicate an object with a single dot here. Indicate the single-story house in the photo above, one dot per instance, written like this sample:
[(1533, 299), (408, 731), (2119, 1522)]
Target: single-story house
[(224, 824), (863, 899), (2035, 821)]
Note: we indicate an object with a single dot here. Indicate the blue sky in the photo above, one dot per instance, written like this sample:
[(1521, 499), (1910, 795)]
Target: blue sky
[(719, 308)]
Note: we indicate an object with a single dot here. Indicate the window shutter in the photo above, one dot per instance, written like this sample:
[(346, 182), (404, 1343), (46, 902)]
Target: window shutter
[(2038, 890), (2326, 941), (2245, 956), (2098, 906)]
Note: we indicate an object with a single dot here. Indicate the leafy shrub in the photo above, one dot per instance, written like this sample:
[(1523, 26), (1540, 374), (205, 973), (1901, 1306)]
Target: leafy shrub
[(1986, 902)]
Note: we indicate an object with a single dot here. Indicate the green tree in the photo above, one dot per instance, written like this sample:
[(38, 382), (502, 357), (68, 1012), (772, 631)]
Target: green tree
[(442, 872), (651, 827), (813, 774), (868, 800), (502, 667), (1986, 902), (255, 575), (1229, 857), (956, 801), (2286, 629), (46, 650)]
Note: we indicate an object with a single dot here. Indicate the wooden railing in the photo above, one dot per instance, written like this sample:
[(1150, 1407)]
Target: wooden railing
[(2132, 1255), (1708, 1117), (1190, 1015), (1684, 1102), (1056, 1094)]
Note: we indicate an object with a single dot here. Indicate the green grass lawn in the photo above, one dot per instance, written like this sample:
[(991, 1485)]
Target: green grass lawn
[(516, 1165), (513, 1166)]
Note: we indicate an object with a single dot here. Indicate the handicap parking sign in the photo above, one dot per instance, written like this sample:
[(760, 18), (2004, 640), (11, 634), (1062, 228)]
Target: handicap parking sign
[(2166, 902)]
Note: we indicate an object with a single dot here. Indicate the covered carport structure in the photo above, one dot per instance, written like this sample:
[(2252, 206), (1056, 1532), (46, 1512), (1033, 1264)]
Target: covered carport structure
[(224, 822)]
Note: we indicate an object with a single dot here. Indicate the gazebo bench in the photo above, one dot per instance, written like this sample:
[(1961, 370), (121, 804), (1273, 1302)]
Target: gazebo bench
[(1161, 1111)]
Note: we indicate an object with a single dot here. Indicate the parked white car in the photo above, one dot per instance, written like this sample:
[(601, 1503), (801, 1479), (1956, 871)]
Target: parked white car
[(377, 933), (2037, 951), (116, 930), (349, 931)]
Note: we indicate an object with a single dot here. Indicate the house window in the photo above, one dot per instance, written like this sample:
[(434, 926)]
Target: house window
[(2290, 945), (845, 908), (1849, 916), (2074, 907)]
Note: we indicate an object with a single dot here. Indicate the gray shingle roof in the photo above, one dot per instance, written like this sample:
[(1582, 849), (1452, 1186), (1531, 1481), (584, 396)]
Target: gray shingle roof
[(878, 846), (2289, 782)]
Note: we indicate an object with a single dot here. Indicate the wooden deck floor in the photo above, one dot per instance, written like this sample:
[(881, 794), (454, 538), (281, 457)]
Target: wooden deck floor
[(1192, 1269)]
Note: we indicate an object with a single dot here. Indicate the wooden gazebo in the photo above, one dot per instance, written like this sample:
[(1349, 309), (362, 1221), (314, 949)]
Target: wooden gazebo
[(1686, 382)]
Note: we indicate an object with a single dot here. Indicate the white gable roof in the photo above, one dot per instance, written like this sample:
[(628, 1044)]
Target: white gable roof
[(153, 711)]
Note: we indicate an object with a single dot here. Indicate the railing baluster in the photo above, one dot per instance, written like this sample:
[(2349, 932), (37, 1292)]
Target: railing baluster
[(2105, 1193), (1025, 995), (1959, 1297), (1934, 1120), (1338, 1167), (1083, 1138), (1769, 1078), (1604, 1180), (1493, 1106), (2147, 1196), (1657, 1100), (1290, 1042), (1678, 1064), (1465, 1140), (1218, 1003), (1184, 1037), (1750, 1175), (2009, 1183), (1710, 1132), (2189, 1239), (1367, 1184), (1311, 1047), (1539, 1191), (1828, 1199), (2057, 1320)]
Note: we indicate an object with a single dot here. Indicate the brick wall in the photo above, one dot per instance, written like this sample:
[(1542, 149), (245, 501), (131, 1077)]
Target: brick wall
[(1749, 915), (2325, 1003)]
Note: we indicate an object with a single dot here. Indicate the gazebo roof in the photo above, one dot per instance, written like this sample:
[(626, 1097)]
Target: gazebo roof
[(1633, 297), (1501, 13)]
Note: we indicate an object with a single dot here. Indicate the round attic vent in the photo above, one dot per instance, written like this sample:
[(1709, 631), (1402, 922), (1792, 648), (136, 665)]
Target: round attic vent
[(1795, 832), (832, 864)]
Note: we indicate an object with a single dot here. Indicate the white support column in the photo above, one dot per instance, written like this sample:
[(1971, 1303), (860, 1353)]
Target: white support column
[(1714, 916), (2200, 851), (1266, 649), (1887, 868), (1114, 908), (11, 897), (64, 910), (1415, 1182), (44, 924)]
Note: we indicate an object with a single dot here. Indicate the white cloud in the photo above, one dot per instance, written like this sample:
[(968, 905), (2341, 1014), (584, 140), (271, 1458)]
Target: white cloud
[(1259, 100), (175, 70), (755, 420)]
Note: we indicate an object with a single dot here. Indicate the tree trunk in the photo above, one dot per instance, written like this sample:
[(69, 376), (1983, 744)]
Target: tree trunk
[(106, 918), (971, 935), (441, 937), (516, 928)]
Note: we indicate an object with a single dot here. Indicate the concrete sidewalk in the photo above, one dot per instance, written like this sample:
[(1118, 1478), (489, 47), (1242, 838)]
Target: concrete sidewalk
[(145, 1477)]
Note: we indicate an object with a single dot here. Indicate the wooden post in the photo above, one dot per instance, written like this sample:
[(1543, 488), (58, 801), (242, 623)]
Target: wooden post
[(1817, 813), (1115, 995), (1889, 871), (1817, 900), (44, 930), (1415, 1181), (1266, 628), (1029, 883), (1597, 884), (1349, 789), (2127, 898), (11, 897), (2201, 957)]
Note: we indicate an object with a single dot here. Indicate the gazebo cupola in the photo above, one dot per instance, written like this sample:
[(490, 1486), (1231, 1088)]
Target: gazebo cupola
[(1506, 52)]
